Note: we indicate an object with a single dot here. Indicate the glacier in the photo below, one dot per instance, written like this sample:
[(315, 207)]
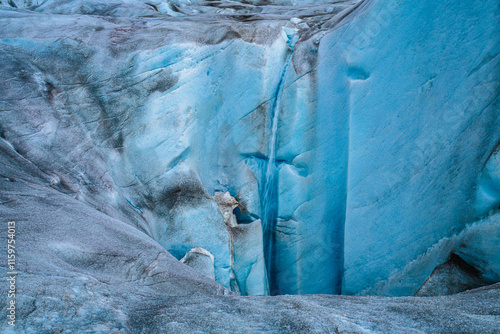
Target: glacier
[(153, 150)]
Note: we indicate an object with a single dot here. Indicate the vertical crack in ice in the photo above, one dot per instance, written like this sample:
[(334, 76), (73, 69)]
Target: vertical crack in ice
[(269, 196)]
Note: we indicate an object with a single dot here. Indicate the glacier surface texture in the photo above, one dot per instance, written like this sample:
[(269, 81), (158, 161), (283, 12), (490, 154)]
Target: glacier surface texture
[(170, 165)]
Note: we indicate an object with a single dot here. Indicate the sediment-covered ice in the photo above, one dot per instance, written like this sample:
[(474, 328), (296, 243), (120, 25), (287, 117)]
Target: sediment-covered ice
[(310, 147)]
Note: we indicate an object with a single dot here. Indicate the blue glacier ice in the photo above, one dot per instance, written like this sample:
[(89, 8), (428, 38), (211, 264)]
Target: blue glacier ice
[(358, 139), (423, 121), (164, 158)]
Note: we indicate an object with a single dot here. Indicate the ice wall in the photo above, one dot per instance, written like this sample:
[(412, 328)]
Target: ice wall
[(383, 129), (422, 101)]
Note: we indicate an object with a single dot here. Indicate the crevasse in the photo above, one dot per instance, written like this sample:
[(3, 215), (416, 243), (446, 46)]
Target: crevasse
[(269, 196)]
